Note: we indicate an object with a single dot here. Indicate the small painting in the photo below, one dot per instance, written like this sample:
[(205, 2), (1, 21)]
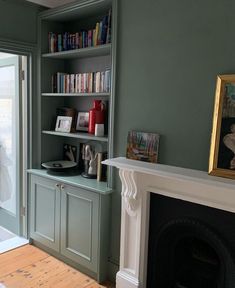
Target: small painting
[(222, 153), (143, 146)]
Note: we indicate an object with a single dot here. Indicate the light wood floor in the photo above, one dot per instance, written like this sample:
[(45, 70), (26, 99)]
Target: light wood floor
[(30, 267)]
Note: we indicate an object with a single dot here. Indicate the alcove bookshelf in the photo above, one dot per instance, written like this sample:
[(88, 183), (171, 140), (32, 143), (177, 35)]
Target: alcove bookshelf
[(76, 18), (69, 214)]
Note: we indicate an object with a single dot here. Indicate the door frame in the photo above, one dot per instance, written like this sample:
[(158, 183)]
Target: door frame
[(28, 109), (7, 217)]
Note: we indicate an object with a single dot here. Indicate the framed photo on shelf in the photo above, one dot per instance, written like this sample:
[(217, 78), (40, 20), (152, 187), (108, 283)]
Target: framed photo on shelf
[(222, 151), (82, 121), (142, 146), (68, 112), (63, 124)]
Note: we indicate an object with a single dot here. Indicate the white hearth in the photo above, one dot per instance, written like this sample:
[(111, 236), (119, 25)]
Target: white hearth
[(138, 180)]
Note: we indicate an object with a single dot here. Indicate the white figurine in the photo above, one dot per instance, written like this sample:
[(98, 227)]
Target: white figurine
[(90, 155), (229, 141), (93, 163)]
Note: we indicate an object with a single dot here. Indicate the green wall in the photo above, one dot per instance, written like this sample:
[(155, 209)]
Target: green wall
[(169, 53), (18, 21)]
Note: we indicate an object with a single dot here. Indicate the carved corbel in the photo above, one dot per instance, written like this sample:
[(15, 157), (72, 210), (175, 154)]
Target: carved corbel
[(129, 191)]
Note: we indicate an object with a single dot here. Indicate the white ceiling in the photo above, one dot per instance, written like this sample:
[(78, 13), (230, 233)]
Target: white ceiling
[(51, 3)]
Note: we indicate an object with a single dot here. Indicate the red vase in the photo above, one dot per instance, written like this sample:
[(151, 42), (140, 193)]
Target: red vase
[(96, 115)]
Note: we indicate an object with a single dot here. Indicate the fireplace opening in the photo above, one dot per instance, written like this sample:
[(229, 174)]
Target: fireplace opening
[(196, 264), (185, 251)]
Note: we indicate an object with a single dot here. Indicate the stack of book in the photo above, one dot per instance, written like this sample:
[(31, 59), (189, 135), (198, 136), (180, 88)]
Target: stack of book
[(101, 34), (93, 82)]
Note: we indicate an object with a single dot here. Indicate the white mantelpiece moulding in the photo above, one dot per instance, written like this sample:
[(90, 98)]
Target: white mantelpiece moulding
[(138, 180)]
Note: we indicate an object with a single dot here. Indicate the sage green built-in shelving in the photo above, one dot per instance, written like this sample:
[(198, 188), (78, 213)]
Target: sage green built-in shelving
[(81, 135), (96, 51), (75, 180), (83, 15), (75, 223), (93, 95)]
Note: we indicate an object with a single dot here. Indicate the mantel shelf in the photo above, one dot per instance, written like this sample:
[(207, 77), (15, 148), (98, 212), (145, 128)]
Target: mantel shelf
[(96, 51), (166, 171), (78, 135), (97, 95)]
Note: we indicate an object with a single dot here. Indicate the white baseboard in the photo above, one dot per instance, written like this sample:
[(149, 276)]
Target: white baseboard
[(124, 280)]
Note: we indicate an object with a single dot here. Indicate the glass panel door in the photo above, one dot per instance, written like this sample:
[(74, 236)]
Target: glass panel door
[(9, 142)]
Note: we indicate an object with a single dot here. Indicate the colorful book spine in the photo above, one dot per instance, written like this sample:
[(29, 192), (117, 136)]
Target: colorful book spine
[(108, 34), (99, 166), (98, 82), (96, 33), (99, 35)]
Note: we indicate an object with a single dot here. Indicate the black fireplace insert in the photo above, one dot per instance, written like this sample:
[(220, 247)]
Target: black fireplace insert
[(190, 246)]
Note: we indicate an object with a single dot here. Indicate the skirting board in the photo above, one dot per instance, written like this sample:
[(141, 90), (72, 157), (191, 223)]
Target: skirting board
[(112, 271)]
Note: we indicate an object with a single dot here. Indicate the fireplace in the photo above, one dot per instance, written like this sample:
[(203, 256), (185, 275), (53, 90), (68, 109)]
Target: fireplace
[(198, 232), (190, 245)]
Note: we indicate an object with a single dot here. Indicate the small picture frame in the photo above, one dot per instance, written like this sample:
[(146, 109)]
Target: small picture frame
[(63, 124), (142, 146), (222, 152), (82, 121)]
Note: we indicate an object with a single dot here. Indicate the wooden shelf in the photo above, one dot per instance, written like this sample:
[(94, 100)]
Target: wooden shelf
[(97, 95), (78, 135), (101, 50)]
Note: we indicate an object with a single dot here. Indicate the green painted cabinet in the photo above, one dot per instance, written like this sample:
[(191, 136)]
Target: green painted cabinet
[(72, 221), (45, 212), (79, 225)]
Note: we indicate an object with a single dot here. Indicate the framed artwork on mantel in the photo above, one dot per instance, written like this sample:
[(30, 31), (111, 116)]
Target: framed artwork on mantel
[(222, 152), (142, 146)]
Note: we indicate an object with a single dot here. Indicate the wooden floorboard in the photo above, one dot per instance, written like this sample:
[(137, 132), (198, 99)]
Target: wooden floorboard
[(30, 267)]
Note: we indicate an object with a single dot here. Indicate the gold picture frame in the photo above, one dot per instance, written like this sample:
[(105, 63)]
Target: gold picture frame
[(222, 151)]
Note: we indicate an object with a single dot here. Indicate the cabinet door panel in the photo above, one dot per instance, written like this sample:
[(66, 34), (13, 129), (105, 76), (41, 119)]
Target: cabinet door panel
[(45, 212), (79, 226)]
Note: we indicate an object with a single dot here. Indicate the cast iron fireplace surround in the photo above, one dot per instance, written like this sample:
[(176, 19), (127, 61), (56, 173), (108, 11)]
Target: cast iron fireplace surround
[(190, 245)]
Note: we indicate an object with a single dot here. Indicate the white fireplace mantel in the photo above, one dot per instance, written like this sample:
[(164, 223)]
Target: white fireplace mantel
[(138, 180)]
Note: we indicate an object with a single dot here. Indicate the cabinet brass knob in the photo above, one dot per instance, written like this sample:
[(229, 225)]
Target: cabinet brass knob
[(57, 185), (62, 186)]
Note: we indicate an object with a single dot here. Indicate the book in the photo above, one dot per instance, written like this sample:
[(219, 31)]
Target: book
[(101, 169), (107, 82), (108, 35), (102, 75), (99, 35), (104, 30), (72, 83), (90, 82), (97, 82), (96, 34), (99, 166)]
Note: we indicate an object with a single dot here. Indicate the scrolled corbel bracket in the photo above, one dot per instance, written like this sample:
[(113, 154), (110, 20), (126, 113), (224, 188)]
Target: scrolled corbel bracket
[(129, 191)]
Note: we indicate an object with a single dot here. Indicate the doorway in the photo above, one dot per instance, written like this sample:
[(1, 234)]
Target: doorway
[(12, 138)]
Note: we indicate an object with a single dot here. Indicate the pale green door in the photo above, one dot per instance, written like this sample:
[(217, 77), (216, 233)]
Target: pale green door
[(9, 142)]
